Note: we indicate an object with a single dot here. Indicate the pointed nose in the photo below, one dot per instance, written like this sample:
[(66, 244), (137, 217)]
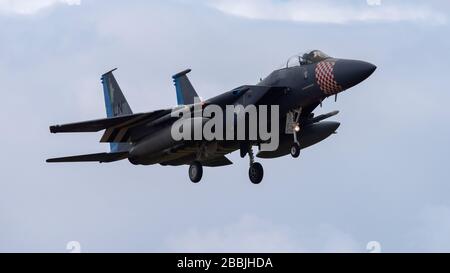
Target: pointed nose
[(349, 73)]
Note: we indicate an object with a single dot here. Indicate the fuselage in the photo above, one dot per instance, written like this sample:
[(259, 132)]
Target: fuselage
[(302, 86), (276, 115)]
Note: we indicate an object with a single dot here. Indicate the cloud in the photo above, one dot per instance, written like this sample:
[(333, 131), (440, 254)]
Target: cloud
[(248, 234), (430, 232), (26, 7), (51, 75), (328, 11), (254, 234)]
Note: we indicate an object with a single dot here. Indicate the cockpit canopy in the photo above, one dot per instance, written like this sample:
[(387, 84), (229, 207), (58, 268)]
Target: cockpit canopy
[(312, 57)]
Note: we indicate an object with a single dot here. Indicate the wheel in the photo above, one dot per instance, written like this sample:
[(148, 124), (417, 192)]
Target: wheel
[(295, 150), (195, 172), (256, 173)]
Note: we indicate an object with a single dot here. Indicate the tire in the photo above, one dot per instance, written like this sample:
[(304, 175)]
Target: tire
[(295, 150), (256, 173), (195, 172)]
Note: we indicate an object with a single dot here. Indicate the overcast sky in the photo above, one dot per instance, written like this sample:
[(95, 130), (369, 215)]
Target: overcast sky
[(384, 177)]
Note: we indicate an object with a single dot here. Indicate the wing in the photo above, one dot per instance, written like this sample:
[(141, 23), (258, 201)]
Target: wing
[(101, 124), (100, 157)]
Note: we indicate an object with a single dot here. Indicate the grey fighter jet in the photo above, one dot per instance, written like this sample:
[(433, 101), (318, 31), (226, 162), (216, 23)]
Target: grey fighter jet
[(296, 90)]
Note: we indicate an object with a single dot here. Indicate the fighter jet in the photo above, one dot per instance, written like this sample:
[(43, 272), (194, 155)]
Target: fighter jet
[(295, 90)]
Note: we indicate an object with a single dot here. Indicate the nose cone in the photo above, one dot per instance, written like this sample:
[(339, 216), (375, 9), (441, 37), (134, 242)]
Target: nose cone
[(349, 73)]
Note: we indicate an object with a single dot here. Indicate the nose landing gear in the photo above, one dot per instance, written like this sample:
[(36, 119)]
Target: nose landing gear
[(295, 150), (293, 125)]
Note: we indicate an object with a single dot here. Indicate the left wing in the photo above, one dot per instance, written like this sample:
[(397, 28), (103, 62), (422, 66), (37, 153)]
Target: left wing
[(102, 124), (100, 157)]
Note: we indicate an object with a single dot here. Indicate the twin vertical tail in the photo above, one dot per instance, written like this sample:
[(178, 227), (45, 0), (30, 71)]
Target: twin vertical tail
[(185, 91), (116, 105)]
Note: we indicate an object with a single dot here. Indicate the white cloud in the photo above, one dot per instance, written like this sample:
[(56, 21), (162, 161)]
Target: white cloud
[(253, 234), (324, 11), (26, 7), (248, 234)]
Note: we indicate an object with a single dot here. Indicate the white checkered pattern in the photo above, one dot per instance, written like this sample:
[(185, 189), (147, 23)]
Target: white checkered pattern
[(325, 78)]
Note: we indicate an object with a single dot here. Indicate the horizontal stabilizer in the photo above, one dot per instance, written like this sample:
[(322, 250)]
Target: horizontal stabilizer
[(100, 157)]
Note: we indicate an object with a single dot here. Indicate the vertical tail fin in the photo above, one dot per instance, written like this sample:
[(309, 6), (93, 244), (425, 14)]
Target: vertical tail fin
[(185, 91), (116, 104)]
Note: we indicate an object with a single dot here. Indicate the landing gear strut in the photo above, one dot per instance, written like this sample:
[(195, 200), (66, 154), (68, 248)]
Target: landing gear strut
[(195, 171), (295, 148), (256, 171)]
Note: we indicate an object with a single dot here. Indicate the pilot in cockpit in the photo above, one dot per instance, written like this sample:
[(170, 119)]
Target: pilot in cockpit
[(314, 56)]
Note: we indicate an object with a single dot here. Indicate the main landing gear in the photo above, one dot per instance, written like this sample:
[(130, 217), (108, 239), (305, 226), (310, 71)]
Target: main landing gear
[(195, 171), (256, 171), (295, 150)]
